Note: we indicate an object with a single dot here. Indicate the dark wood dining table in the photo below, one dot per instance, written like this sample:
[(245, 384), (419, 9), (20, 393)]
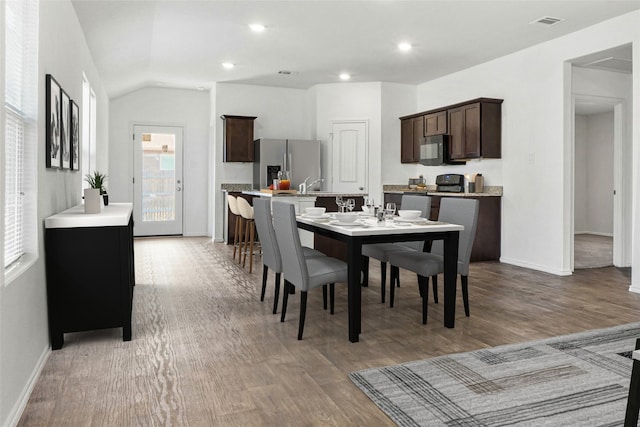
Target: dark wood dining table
[(367, 230)]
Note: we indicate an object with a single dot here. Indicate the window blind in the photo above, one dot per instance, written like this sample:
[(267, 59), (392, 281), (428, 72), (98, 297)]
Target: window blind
[(21, 70)]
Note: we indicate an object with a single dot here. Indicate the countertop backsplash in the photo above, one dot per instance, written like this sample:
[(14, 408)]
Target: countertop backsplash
[(489, 190)]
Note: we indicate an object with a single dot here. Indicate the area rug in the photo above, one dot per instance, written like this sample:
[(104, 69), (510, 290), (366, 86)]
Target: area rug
[(573, 380)]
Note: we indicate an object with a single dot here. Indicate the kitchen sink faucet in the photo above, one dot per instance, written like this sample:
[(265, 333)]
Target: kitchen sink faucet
[(304, 187)]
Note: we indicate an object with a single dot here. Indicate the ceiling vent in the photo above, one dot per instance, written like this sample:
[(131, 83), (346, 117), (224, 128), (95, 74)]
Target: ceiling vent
[(547, 20), (286, 72)]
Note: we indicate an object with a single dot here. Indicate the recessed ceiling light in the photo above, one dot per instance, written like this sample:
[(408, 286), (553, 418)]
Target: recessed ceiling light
[(344, 76), (404, 46), (159, 83), (228, 65), (200, 88), (257, 28)]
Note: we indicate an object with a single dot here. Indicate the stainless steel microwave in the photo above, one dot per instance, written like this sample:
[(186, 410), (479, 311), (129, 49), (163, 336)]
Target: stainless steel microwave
[(434, 151)]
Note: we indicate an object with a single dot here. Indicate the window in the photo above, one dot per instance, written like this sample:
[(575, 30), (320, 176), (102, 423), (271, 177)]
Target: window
[(20, 63)]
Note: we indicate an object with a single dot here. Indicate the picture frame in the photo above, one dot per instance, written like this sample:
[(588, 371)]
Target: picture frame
[(53, 109), (75, 136), (65, 130)]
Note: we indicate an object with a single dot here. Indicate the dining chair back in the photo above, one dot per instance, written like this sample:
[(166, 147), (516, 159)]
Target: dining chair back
[(457, 210), (271, 257), (303, 272)]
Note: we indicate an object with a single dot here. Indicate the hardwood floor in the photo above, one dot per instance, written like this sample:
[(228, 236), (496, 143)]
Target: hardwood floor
[(206, 351)]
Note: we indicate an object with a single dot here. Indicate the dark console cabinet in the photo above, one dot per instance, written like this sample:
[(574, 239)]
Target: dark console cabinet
[(90, 271)]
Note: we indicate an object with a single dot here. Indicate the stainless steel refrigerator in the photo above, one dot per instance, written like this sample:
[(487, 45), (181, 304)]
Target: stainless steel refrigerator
[(300, 157)]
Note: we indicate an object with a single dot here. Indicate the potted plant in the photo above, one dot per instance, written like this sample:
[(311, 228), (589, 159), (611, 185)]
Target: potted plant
[(92, 195)]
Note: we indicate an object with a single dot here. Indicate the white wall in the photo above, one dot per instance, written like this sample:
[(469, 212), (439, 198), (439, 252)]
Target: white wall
[(534, 119), (280, 112), (23, 314), (169, 107), (397, 101)]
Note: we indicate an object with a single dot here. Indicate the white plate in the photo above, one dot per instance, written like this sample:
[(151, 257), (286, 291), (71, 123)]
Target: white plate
[(323, 216)]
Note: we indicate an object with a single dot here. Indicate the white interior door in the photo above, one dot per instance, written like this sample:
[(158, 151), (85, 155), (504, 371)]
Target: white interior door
[(349, 147), (157, 180)]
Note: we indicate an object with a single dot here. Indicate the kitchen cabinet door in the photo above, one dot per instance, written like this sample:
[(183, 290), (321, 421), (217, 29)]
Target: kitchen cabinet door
[(238, 138), (435, 124), (412, 132), (475, 130), (464, 131)]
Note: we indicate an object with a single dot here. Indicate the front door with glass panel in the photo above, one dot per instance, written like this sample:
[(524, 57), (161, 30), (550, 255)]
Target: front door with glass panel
[(157, 180)]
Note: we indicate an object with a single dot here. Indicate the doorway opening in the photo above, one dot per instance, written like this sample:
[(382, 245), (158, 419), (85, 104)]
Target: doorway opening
[(594, 187)]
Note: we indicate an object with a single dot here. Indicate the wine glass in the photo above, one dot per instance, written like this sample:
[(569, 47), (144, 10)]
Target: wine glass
[(390, 210), (351, 204), (340, 203), (369, 203)]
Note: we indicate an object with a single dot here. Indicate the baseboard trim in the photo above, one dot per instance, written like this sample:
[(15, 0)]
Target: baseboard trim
[(21, 404), (537, 267)]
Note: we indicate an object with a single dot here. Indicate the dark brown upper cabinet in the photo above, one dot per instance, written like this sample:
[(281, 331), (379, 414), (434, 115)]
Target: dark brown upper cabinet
[(435, 123), (238, 138), (475, 130), (411, 132)]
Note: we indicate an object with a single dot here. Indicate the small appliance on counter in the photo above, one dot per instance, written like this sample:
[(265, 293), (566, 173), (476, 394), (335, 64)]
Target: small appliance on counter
[(450, 183)]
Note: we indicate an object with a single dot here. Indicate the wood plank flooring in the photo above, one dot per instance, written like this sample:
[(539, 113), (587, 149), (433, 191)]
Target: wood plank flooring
[(207, 352)]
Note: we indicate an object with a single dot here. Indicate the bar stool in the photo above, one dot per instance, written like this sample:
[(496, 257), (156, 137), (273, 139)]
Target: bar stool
[(246, 212), (237, 233)]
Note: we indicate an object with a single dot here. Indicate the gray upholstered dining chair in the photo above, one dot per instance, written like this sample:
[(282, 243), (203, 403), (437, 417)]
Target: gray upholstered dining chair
[(381, 251), (300, 271), (453, 210), (271, 257)]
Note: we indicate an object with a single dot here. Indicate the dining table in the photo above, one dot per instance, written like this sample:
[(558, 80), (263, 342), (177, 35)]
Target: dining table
[(366, 230)]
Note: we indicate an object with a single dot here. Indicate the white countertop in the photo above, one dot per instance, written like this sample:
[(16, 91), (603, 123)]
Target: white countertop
[(112, 215), (368, 226)]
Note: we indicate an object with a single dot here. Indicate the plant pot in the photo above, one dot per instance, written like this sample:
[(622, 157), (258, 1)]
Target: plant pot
[(91, 200)]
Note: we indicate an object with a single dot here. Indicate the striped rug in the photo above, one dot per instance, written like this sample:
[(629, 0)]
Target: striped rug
[(573, 380)]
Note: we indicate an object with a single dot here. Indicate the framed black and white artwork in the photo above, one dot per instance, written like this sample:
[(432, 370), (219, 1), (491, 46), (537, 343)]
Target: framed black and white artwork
[(54, 132), (75, 136), (65, 130)]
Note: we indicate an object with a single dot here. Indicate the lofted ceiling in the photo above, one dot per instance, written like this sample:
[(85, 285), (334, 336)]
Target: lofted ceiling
[(182, 43)]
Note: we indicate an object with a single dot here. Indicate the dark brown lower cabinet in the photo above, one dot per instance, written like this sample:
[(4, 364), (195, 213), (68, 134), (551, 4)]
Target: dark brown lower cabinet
[(486, 246), (326, 245)]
